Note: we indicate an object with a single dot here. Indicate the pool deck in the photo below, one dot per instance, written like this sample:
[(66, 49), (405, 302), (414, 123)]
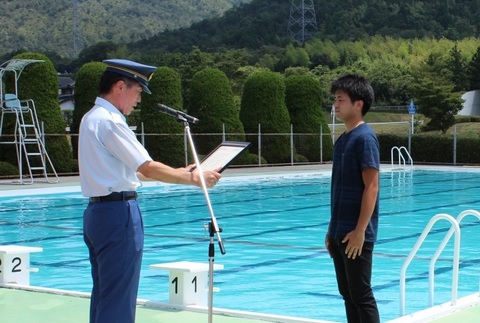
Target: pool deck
[(32, 304)]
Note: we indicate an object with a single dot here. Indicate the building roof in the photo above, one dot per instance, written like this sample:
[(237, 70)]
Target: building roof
[(65, 82)]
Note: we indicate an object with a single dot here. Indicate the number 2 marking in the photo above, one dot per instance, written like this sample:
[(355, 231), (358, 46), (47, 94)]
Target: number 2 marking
[(15, 268), (17, 261)]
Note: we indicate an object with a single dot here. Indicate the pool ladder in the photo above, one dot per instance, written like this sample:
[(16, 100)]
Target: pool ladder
[(455, 228), (401, 158), (28, 139)]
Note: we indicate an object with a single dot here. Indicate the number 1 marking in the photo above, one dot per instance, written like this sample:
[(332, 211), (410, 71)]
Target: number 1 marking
[(175, 281), (194, 282)]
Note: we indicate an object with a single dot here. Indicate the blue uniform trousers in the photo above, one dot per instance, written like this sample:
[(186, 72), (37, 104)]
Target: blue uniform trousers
[(113, 233)]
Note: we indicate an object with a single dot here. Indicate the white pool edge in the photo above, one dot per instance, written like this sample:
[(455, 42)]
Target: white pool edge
[(439, 311), (167, 306)]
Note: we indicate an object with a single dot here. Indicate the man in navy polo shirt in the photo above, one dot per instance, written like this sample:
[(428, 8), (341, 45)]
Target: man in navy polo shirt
[(354, 201), (112, 162)]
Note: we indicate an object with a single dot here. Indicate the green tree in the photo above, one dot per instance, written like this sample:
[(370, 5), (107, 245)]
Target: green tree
[(212, 102), (458, 69), (86, 90), (189, 64), (229, 61), (390, 80), (293, 57), (436, 99), (263, 103), (305, 104), (474, 71), (164, 140), (39, 82), (95, 53)]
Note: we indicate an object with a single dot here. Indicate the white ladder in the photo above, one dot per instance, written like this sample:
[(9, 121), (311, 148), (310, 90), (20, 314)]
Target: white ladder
[(401, 157), (28, 140), (455, 228)]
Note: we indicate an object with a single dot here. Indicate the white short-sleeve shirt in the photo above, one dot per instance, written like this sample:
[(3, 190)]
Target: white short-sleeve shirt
[(109, 153)]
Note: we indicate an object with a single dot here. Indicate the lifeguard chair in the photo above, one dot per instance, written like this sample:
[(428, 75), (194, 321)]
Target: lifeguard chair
[(27, 136)]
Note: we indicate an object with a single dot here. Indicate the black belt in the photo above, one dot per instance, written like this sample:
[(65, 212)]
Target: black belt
[(115, 196)]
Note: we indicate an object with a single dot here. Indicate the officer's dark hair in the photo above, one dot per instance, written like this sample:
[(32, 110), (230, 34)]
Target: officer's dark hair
[(109, 79)]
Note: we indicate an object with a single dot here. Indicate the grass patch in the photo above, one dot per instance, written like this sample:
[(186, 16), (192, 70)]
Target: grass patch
[(376, 119)]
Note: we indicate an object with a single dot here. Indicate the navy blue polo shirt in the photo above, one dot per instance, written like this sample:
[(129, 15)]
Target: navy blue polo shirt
[(353, 151)]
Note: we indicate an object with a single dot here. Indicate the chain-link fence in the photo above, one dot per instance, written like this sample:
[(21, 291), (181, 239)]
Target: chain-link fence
[(317, 148)]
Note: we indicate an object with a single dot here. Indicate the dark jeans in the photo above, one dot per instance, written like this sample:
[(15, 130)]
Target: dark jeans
[(113, 232), (353, 279)]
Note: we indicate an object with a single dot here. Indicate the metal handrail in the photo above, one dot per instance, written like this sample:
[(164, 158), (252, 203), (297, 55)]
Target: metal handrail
[(454, 228), (401, 158), (442, 245)]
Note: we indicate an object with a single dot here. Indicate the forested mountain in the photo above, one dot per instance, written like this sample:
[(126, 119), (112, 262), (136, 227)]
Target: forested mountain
[(48, 25), (165, 25), (265, 22)]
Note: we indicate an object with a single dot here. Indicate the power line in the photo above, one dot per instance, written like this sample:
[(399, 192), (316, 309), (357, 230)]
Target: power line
[(302, 24), (77, 34)]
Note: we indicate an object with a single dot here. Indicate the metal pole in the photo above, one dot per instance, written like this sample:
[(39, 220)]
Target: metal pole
[(333, 123), (410, 142), (291, 144), (455, 145), (321, 144), (259, 145), (185, 149), (214, 229), (223, 132), (42, 133), (413, 127)]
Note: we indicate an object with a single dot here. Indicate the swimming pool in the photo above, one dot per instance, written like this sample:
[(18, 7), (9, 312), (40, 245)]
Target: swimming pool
[(273, 231)]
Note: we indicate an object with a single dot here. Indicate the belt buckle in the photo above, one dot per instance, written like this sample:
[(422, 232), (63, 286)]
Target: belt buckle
[(129, 195)]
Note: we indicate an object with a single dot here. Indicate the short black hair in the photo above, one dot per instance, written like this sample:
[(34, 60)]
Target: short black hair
[(109, 79), (357, 87)]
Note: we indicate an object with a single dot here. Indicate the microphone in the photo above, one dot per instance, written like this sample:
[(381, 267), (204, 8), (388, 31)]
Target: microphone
[(178, 114)]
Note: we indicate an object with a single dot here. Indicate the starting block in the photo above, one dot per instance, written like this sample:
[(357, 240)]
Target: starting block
[(188, 281), (15, 264)]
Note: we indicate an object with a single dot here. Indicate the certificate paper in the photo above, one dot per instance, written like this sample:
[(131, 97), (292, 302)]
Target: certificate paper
[(223, 155)]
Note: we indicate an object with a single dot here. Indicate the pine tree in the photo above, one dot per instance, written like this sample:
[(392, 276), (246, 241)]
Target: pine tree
[(458, 67), (474, 71)]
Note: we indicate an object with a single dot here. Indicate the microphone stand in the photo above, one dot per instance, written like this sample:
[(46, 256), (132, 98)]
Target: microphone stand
[(212, 226)]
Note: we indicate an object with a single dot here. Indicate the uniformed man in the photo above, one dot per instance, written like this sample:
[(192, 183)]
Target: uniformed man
[(112, 164)]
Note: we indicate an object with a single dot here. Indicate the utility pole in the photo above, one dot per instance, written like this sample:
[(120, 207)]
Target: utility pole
[(77, 34), (302, 24)]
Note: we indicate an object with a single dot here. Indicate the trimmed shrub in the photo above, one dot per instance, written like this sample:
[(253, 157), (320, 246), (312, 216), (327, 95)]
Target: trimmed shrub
[(304, 102), (86, 90), (7, 169), (467, 150), (263, 102), (432, 149), (39, 82), (166, 89), (212, 102), (387, 142)]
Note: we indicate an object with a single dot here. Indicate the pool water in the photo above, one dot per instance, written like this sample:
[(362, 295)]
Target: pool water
[(273, 233)]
